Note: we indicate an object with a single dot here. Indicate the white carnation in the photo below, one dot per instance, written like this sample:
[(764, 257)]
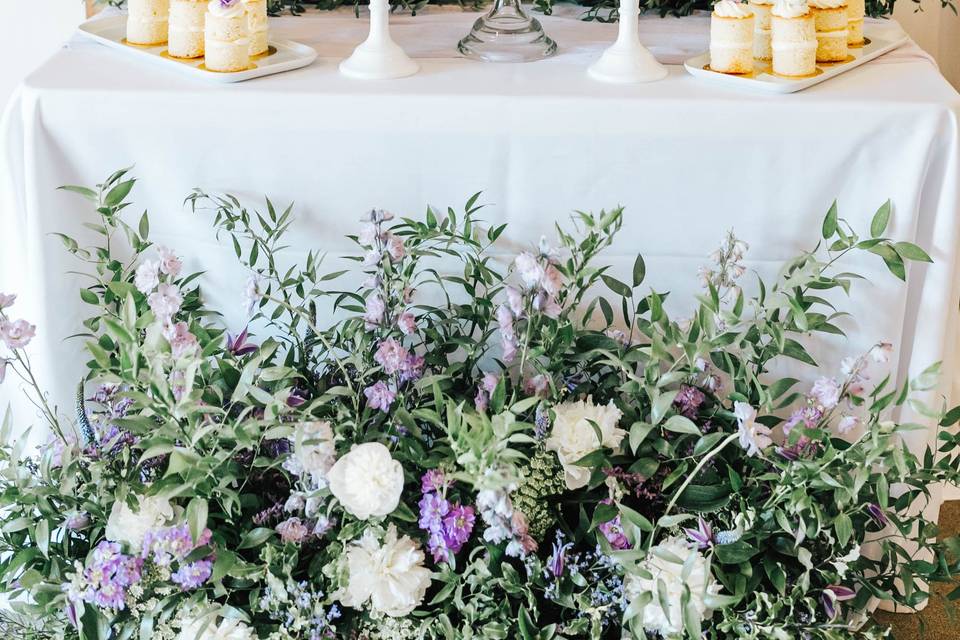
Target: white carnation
[(130, 527), (390, 575), (228, 629), (666, 563), (314, 450), (367, 481), (573, 436)]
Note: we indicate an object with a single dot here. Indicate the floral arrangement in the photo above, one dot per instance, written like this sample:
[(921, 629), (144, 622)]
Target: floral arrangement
[(535, 451)]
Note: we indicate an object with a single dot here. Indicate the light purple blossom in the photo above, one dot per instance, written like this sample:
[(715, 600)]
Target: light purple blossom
[(17, 334), (882, 352), (293, 530), (165, 302), (557, 561), (375, 308), (412, 368), (529, 268), (433, 507), (238, 345), (688, 401), (147, 276), (391, 356), (7, 300), (193, 575), (395, 248), (538, 385), (552, 280), (170, 264), (407, 323), (369, 235), (515, 300), (182, 342), (508, 338), (380, 396), (702, 536), (457, 526), (826, 392), (613, 531), (108, 576), (252, 294), (847, 424), (808, 415), (77, 521), (433, 480)]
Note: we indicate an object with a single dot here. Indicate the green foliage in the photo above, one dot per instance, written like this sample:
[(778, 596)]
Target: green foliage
[(174, 409)]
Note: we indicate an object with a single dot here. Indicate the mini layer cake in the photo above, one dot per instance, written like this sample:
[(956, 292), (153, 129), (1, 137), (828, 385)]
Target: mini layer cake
[(227, 36), (147, 21), (731, 37), (793, 39), (855, 11), (257, 23), (830, 19), (761, 33), (187, 19)]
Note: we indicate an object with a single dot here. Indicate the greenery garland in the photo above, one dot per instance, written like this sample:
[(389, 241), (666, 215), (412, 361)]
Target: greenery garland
[(599, 10)]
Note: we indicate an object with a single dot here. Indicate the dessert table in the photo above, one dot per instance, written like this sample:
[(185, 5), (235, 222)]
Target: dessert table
[(688, 161)]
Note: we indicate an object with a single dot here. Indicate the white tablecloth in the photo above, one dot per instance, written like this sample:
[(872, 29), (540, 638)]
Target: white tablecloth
[(687, 159)]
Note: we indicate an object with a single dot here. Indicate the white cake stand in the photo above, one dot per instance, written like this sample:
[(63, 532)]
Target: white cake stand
[(379, 57), (627, 60)]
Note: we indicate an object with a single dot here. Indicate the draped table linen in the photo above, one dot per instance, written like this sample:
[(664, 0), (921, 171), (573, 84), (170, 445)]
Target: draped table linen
[(687, 159)]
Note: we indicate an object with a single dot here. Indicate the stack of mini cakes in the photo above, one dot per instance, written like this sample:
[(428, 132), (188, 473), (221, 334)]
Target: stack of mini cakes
[(761, 34), (227, 36), (731, 37), (147, 21), (257, 23), (830, 20), (855, 11), (187, 20), (793, 39)]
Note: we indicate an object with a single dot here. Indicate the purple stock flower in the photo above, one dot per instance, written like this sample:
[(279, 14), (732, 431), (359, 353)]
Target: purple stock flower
[(412, 368), (877, 514), (688, 401), (702, 536), (433, 508), (108, 576), (238, 345), (433, 480), (457, 526), (293, 530), (808, 415), (380, 396), (192, 575), (391, 356)]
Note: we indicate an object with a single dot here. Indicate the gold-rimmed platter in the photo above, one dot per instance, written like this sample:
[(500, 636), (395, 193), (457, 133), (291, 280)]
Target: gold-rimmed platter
[(764, 80), (283, 55)]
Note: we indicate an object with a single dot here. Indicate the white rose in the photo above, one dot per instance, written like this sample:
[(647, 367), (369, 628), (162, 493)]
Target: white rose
[(573, 436), (314, 450), (130, 527), (367, 481), (228, 629), (666, 562), (390, 575)]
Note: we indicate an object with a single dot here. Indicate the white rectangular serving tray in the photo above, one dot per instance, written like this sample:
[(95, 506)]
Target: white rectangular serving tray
[(284, 55), (763, 79)]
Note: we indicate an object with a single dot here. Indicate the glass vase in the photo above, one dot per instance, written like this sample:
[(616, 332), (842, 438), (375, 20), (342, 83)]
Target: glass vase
[(507, 34)]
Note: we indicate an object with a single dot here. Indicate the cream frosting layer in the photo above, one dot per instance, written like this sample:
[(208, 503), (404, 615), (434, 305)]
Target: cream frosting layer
[(790, 8), (231, 10), (731, 9), (828, 4)]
